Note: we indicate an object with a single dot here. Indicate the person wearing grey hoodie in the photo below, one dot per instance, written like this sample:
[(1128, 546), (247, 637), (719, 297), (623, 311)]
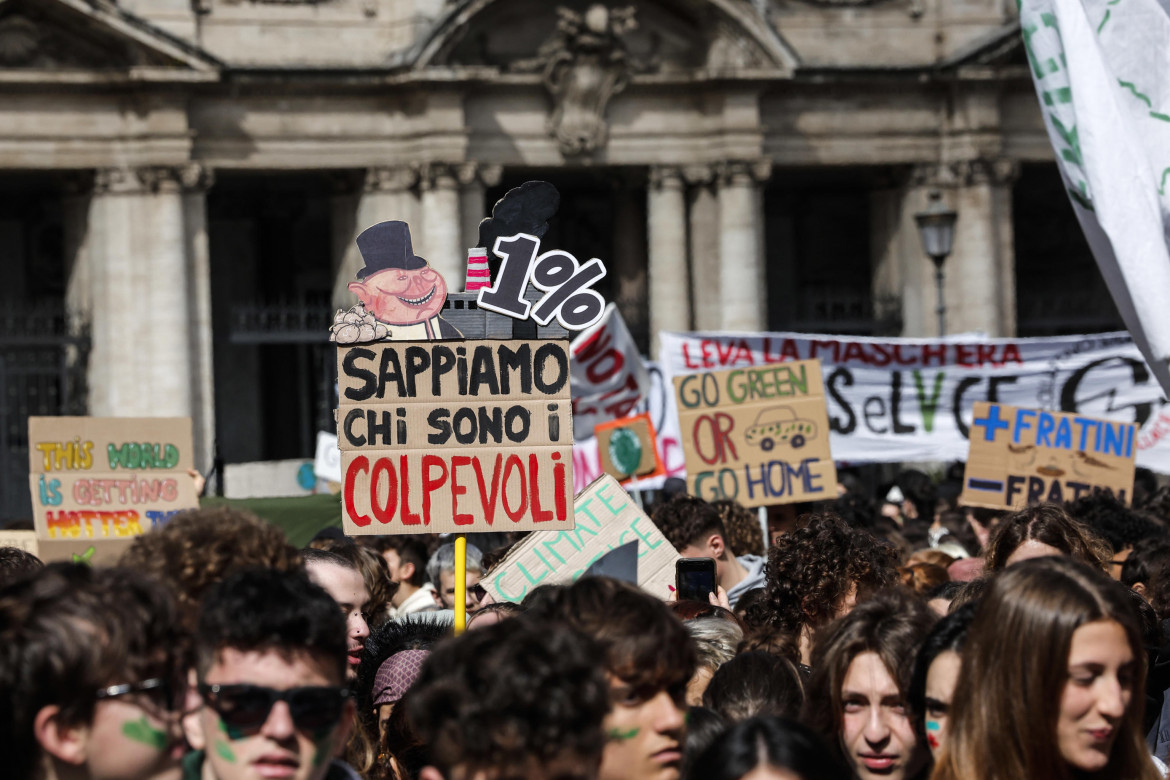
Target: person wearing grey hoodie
[(696, 530)]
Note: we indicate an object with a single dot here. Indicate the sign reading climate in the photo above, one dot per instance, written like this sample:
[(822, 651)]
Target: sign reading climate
[(757, 435), (455, 436)]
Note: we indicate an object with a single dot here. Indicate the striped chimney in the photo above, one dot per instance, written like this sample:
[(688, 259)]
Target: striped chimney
[(479, 275)]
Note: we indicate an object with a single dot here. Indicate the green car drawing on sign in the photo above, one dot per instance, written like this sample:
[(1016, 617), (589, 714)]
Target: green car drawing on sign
[(780, 425)]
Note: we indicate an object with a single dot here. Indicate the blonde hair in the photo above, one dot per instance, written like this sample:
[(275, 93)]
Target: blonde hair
[(1015, 667)]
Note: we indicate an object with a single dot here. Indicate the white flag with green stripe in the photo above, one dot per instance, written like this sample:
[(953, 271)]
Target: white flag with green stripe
[(1102, 73)]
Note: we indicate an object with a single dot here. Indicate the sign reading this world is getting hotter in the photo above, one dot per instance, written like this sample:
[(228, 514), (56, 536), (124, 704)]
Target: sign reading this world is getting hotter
[(758, 436), (1021, 457), (455, 436), (108, 477)]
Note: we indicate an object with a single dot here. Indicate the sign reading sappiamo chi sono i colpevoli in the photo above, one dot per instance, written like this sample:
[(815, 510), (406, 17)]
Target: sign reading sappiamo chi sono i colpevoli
[(1021, 457), (607, 518), (108, 477), (455, 436), (758, 436)]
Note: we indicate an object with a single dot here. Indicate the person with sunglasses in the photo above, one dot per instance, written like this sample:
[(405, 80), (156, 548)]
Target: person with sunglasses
[(271, 671), (89, 668)]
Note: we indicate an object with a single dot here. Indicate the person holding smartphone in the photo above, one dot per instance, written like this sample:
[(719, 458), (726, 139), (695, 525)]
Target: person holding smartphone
[(695, 529)]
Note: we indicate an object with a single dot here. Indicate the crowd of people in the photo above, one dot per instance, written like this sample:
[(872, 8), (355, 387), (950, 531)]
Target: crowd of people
[(905, 638)]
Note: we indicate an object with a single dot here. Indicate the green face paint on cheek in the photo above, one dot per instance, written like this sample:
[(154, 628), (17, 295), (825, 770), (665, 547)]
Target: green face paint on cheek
[(224, 752), (324, 741), (222, 749), (141, 731), (622, 736)]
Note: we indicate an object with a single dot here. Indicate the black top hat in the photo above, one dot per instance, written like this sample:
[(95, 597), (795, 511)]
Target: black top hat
[(387, 245)]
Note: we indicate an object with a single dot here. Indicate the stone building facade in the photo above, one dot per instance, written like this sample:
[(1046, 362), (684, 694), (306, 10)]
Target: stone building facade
[(181, 180)]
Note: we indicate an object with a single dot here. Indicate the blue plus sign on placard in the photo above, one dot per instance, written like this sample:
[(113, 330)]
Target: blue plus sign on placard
[(992, 423)]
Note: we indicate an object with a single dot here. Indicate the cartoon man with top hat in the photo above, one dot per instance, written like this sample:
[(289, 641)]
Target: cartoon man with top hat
[(398, 290)]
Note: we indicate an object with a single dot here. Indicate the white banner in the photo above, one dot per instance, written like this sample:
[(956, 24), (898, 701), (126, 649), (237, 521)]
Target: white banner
[(893, 400), (608, 375), (1102, 73)]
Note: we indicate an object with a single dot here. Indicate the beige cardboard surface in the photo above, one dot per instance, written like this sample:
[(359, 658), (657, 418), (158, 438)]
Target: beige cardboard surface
[(757, 435), (616, 455), (461, 423), (468, 436), (96, 552), (25, 540), (108, 477), (607, 518), (1020, 457), (475, 372)]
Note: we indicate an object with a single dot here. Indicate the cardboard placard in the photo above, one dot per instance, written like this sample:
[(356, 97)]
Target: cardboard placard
[(25, 540), (95, 552), (455, 436), (607, 518), (108, 477), (628, 448), (757, 435), (1021, 457)]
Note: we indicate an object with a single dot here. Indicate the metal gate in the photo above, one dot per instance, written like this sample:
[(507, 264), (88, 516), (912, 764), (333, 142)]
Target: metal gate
[(43, 358)]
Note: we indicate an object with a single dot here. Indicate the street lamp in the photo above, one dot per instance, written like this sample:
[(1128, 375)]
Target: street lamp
[(936, 225)]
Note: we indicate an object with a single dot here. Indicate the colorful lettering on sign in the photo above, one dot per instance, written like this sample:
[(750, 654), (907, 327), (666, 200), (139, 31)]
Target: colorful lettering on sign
[(773, 479), (135, 455), (512, 483), (66, 456), (92, 524), (1055, 431)]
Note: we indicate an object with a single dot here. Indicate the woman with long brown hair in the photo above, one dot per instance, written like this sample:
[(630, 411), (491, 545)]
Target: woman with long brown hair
[(1051, 681)]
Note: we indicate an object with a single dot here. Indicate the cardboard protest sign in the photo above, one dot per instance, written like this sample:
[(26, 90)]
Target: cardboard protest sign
[(1021, 457), (467, 436), (108, 477), (628, 448), (24, 540), (95, 552), (757, 435), (607, 518)]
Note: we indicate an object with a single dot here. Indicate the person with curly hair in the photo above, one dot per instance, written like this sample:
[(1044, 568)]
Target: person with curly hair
[(1040, 531), (648, 658), (819, 573), (745, 535), (696, 530), (200, 547), (515, 699)]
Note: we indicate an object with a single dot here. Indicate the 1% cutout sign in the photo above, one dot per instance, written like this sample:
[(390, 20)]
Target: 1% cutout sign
[(566, 284)]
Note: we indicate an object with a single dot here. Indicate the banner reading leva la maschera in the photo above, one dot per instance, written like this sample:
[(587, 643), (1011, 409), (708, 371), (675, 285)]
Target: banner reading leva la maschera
[(910, 399)]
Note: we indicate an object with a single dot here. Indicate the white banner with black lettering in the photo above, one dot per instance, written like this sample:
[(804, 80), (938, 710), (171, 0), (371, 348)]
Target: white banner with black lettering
[(893, 400)]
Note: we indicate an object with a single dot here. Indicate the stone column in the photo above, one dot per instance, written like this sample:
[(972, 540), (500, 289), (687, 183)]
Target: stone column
[(386, 193), (196, 180), (666, 207), (703, 231), (742, 282), (474, 179), (980, 271), (143, 294), (441, 239)]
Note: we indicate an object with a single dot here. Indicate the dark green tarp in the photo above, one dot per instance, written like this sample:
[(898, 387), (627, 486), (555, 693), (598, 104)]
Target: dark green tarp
[(301, 517)]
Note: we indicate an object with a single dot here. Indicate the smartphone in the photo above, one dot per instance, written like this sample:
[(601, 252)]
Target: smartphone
[(694, 578)]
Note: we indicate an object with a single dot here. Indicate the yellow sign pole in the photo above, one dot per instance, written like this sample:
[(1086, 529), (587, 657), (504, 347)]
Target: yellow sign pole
[(460, 583)]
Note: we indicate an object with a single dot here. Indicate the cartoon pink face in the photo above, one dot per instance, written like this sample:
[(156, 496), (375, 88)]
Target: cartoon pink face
[(398, 297)]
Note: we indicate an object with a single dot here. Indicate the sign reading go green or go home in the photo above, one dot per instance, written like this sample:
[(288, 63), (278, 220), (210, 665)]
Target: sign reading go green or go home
[(758, 436)]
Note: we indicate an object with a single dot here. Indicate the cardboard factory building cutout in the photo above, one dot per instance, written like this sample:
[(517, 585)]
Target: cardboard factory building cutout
[(400, 294)]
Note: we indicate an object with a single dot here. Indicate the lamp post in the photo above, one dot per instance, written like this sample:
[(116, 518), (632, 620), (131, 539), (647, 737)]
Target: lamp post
[(936, 225)]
